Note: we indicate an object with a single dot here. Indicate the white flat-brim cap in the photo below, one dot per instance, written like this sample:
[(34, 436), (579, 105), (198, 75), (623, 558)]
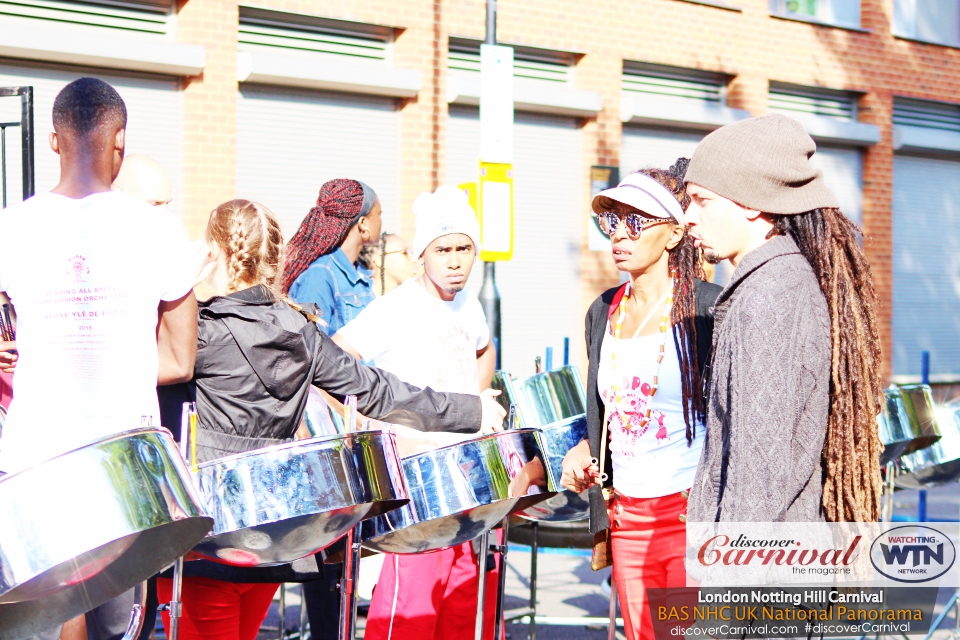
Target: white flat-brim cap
[(642, 192)]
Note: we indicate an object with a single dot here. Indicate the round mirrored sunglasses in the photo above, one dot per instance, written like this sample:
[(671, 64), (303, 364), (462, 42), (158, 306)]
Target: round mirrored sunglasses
[(609, 222)]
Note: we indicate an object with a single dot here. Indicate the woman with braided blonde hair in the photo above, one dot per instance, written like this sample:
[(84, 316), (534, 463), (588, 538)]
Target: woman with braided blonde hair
[(257, 356)]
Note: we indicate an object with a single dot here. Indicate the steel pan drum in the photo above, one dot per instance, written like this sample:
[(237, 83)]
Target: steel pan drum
[(938, 464), (459, 491), (549, 397), (555, 402), (84, 527), (556, 440), (282, 503), (921, 416)]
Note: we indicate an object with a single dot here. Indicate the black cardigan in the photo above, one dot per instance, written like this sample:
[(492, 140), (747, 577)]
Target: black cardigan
[(596, 325)]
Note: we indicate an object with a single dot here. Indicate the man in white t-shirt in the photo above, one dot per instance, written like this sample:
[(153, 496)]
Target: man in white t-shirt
[(103, 290), (430, 332)]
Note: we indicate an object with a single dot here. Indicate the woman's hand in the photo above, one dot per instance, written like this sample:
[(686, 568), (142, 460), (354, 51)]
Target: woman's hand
[(8, 356), (492, 414), (580, 471)]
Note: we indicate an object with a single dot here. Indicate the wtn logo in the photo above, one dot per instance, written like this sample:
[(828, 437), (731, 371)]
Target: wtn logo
[(913, 553), (897, 554)]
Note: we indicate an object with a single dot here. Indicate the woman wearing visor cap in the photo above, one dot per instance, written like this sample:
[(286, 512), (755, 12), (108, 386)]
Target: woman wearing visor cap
[(647, 342)]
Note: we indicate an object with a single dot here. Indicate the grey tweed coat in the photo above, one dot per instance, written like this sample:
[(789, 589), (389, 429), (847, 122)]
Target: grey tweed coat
[(768, 394)]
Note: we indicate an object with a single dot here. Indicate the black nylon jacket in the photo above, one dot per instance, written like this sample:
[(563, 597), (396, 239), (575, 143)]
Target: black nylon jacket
[(256, 360), (706, 296)]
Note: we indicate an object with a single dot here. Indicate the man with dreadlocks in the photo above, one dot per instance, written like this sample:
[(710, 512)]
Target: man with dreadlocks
[(794, 382)]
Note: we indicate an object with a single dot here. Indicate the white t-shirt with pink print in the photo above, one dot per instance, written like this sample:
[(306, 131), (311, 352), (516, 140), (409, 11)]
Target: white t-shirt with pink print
[(650, 459)]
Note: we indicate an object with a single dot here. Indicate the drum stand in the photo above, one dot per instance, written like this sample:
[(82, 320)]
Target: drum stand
[(486, 547), (174, 608), (348, 585)]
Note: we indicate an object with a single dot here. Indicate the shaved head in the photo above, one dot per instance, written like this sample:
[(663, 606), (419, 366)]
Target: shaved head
[(142, 177), (87, 104)]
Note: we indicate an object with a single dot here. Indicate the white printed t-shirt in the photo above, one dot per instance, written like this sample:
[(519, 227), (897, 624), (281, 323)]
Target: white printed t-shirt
[(86, 277), (649, 460), (422, 339)]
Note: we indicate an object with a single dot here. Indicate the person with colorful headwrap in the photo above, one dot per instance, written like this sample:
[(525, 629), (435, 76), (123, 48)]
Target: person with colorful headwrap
[(321, 265)]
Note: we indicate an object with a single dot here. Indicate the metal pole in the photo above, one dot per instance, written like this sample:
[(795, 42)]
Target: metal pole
[(481, 584), (533, 581), (282, 612), (26, 137), (491, 22), (3, 161), (612, 627), (175, 608), (499, 631), (303, 614), (489, 294), (490, 301), (348, 585)]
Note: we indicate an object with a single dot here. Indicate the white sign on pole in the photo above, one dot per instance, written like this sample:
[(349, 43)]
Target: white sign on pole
[(496, 104)]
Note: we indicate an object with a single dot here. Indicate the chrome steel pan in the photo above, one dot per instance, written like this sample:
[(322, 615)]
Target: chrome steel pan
[(84, 527), (282, 503), (938, 464), (920, 415), (549, 397), (459, 491), (556, 440), (896, 433)]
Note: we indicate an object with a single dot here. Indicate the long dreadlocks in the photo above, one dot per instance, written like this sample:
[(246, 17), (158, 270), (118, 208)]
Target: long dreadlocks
[(851, 451), (685, 262)]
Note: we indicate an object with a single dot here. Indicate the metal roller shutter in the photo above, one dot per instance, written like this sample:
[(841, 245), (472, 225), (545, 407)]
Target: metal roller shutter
[(154, 122), (540, 287), (843, 173), (641, 148), (926, 264), (289, 142)]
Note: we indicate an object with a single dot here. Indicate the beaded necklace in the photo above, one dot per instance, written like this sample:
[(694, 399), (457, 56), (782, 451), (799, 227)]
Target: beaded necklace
[(664, 325)]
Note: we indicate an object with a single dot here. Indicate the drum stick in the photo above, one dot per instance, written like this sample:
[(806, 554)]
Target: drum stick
[(193, 439)]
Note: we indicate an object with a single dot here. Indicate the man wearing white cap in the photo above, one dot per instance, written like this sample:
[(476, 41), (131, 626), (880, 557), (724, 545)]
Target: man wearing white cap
[(430, 331)]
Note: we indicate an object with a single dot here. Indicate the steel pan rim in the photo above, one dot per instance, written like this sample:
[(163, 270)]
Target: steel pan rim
[(120, 435), (472, 440), (565, 422), (293, 444)]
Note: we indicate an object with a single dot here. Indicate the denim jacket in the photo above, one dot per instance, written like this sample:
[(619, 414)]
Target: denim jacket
[(340, 289)]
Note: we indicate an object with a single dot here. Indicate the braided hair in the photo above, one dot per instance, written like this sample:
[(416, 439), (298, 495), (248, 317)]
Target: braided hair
[(687, 266), (851, 451), (339, 206), (249, 235)]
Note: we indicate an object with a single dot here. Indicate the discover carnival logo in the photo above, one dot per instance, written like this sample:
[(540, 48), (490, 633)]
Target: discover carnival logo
[(912, 553)]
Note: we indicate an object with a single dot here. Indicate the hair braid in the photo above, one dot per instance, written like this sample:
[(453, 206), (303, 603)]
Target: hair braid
[(851, 451), (686, 264)]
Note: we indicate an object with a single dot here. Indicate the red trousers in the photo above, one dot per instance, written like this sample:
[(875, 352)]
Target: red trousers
[(431, 596), (218, 610), (648, 540)]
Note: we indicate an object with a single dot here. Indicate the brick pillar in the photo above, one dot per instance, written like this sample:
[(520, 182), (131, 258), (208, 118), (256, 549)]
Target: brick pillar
[(877, 108), (749, 91), (422, 45), (209, 109)]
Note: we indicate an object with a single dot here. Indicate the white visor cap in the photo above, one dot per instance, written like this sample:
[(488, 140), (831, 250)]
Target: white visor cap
[(642, 192)]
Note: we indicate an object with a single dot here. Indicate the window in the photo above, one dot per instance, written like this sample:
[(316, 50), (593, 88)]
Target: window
[(841, 13), (929, 115), (261, 30), (674, 82), (146, 16), (936, 21), (528, 62), (814, 101)]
